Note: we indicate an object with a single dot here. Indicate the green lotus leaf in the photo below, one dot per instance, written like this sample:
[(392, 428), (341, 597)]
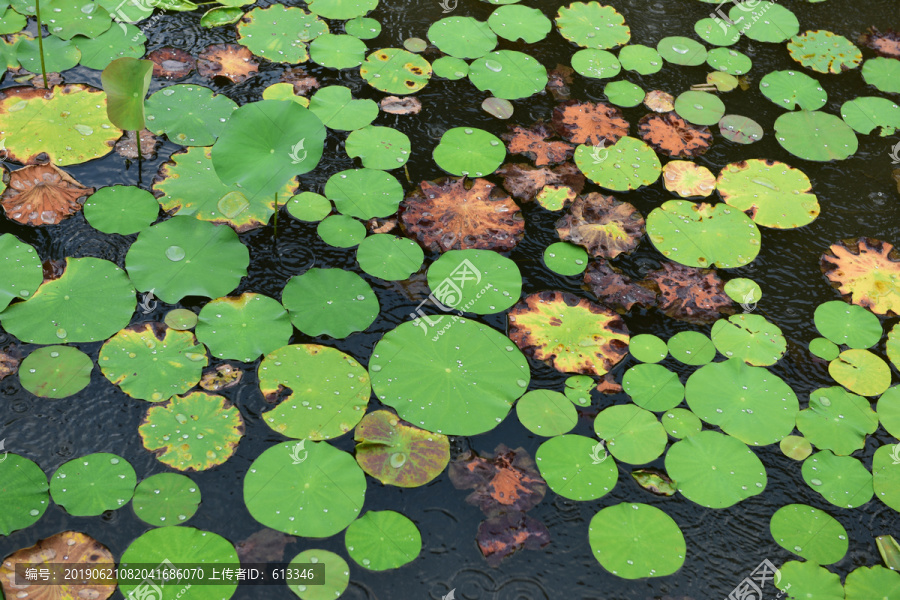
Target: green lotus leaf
[(546, 413), (20, 270), (265, 144), (824, 51), (681, 423), (795, 447), (565, 258), (181, 319), (123, 40), (743, 290), (702, 235), (189, 187), (576, 467), (152, 362), (592, 25), (691, 348), (121, 209), (508, 74), (680, 50), (578, 389), (715, 470), (728, 61), (278, 32), (520, 23), (323, 391), (166, 499), (131, 12), (186, 257), (397, 453), (623, 93), (870, 582), (66, 19), (90, 301), (842, 480), (330, 302), (892, 346), (773, 193), (469, 151), (24, 492), (810, 580), (11, 22), (90, 485), (56, 371), (180, 546), (810, 533), (319, 479), (764, 21), (653, 387), (749, 337), (886, 476), (837, 420), (741, 130), (883, 73), (867, 113), (59, 55), (389, 257), (815, 135), (337, 574), (285, 92), (889, 550), (337, 109), (459, 382), (126, 82), (73, 122), (337, 51), (396, 71), (364, 193), (363, 28), (634, 541), (477, 281), (824, 349), (309, 206), (450, 67), (597, 64), (462, 37), (342, 9), (220, 16), (700, 108), (793, 89), (382, 540), (190, 115), (573, 334), (648, 348), (861, 372), (888, 409), (244, 327), (847, 324), (206, 431), (749, 403), (378, 147), (615, 169), (643, 60), (717, 32), (632, 434), (341, 231)]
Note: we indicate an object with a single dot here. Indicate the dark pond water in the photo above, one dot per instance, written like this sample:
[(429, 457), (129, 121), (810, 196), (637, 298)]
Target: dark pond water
[(858, 197)]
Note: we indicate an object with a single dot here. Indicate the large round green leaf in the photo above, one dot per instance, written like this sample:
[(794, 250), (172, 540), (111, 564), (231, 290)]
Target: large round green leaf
[(23, 491), (186, 257), (749, 337), (861, 372), (462, 37), (90, 301), (382, 540), (883, 73), (337, 51), (815, 135), (793, 89), (810, 533), (870, 582), (764, 21), (715, 470), (364, 193), (775, 194), (66, 19), (837, 420), (632, 434), (848, 324), (824, 51), (809, 580), (330, 302), (122, 209), (842, 480), (244, 327), (317, 496), (576, 468), (635, 541), (867, 113), (462, 381), (278, 32), (122, 40), (90, 485), (469, 151), (190, 115), (56, 371), (166, 499), (476, 281), (20, 270), (323, 391), (396, 71), (394, 452), (508, 74), (626, 165), (592, 25)]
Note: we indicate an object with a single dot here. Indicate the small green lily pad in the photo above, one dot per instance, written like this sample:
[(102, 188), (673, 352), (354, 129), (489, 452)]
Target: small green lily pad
[(565, 258), (90, 485), (243, 327), (341, 231), (699, 108), (389, 257), (810, 533), (837, 420), (634, 541), (330, 302), (24, 492), (382, 540), (648, 348), (56, 371), (861, 372), (842, 480), (749, 337), (624, 93), (166, 499), (397, 453), (640, 59), (337, 572), (20, 270), (378, 147), (681, 423), (793, 89), (121, 209), (680, 50), (653, 387), (795, 447), (576, 467), (469, 151), (633, 435), (309, 206), (691, 348), (546, 413), (824, 349), (815, 135), (848, 324)]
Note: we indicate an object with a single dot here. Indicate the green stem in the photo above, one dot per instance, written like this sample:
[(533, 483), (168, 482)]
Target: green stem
[(138, 136), (40, 37)]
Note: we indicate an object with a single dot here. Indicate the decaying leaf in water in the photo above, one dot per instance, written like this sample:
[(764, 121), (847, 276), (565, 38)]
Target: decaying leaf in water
[(507, 481), (232, 61), (603, 225), (558, 81), (885, 43), (401, 106), (503, 535), (589, 123), (532, 143), (171, 63), (222, 377), (687, 179), (691, 294), (659, 101), (127, 145), (264, 546), (9, 362), (654, 481), (671, 135), (43, 195), (298, 77), (867, 272), (524, 181), (615, 289)]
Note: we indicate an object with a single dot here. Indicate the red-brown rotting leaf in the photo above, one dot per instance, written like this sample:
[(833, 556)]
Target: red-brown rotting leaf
[(558, 82), (302, 81), (35, 79), (232, 61), (589, 123), (533, 144), (867, 272), (659, 101), (448, 214), (171, 63), (615, 289), (524, 181), (264, 546), (396, 105), (507, 481), (885, 43), (9, 361), (127, 145), (608, 385), (43, 195), (377, 225), (221, 377), (691, 294), (604, 226), (671, 135), (503, 535)]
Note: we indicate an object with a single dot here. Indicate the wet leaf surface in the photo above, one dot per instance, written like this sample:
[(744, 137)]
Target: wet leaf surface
[(672, 136), (691, 294), (655, 481), (524, 182), (231, 61), (605, 226), (398, 453), (589, 123), (534, 145), (171, 63), (617, 290), (867, 272)]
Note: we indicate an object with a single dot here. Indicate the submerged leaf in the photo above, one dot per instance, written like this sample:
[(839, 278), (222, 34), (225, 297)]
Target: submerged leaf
[(525, 182), (503, 535), (533, 144), (691, 294), (615, 289), (672, 136), (232, 61), (506, 481)]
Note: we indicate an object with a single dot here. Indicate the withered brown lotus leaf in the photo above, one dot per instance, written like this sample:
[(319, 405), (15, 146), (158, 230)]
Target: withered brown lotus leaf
[(42, 195), (604, 226)]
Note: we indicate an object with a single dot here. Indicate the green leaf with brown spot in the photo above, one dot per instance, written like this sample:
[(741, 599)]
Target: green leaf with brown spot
[(397, 453)]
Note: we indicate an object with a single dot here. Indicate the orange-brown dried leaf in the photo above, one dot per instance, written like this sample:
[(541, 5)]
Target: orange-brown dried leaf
[(604, 226), (671, 135), (867, 272), (503, 535), (298, 77), (589, 123), (448, 214), (608, 385), (9, 362), (126, 147), (401, 106), (379, 225), (687, 179), (885, 43), (65, 549), (42, 195), (171, 63), (232, 61), (659, 101), (533, 144), (616, 290), (507, 481), (524, 181), (691, 294), (558, 81)]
